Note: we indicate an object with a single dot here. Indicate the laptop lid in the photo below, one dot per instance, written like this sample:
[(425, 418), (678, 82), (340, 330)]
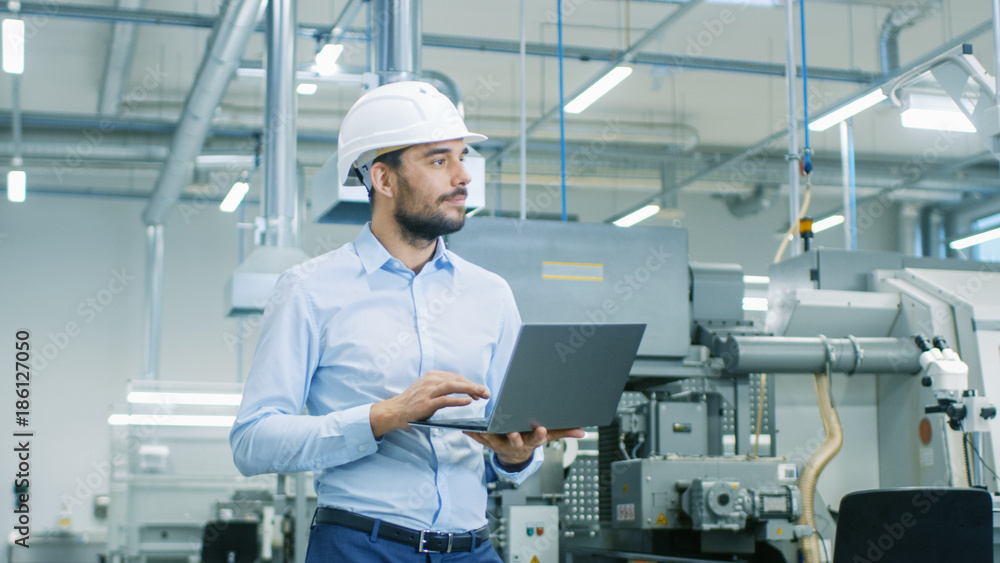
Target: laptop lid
[(562, 376)]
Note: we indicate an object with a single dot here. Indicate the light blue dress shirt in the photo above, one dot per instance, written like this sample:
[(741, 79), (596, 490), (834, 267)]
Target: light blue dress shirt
[(353, 327)]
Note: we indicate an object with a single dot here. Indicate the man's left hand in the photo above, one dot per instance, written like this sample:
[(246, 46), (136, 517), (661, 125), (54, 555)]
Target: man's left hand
[(517, 447)]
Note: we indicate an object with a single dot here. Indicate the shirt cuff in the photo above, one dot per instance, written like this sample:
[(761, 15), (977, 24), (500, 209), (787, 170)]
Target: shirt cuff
[(516, 474), (354, 424)]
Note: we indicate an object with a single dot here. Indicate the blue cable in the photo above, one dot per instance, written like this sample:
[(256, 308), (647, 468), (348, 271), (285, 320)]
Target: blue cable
[(807, 166), (562, 113)]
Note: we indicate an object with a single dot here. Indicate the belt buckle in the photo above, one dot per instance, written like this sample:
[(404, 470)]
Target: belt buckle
[(421, 548)]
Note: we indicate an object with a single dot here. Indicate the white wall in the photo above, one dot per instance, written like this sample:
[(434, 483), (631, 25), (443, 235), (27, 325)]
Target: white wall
[(59, 251)]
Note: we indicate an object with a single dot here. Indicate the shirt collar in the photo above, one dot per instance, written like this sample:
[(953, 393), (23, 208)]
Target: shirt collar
[(374, 256)]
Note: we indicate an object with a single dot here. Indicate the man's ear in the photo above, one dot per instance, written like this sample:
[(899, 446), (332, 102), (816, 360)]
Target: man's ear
[(383, 180)]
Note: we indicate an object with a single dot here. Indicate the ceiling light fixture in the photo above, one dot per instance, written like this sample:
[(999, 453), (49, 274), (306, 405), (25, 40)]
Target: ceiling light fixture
[(755, 303), (638, 215), (13, 46), (928, 111), (756, 280), (307, 89), (974, 239), (234, 197), (827, 223), (848, 110), (16, 184), (170, 420), (162, 397), (326, 59), (599, 88)]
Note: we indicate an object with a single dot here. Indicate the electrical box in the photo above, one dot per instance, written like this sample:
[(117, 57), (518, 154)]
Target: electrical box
[(532, 534)]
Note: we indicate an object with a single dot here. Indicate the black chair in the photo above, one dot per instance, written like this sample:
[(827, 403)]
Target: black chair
[(915, 525), (230, 542)]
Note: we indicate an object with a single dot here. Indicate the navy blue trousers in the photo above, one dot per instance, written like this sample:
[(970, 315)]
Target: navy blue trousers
[(334, 544)]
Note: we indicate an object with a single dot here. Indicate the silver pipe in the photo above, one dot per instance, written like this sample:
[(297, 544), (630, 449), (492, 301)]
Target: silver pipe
[(154, 301), (345, 19), (225, 47), (793, 129), (15, 119), (396, 45), (301, 513), (977, 460), (280, 178), (850, 199), (524, 119), (930, 231), (447, 86), (118, 61), (625, 56), (996, 50), (899, 19), (783, 354)]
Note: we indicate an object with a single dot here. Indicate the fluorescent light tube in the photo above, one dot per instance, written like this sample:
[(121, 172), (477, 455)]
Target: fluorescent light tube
[(638, 215), (170, 420), (234, 197), (326, 59), (938, 120), (161, 397), (13, 46), (307, 89), (851, 109), (755, 303), (757, 280), (829, 222), (975, 239), (934, 111), (16, 182), (601, 87)]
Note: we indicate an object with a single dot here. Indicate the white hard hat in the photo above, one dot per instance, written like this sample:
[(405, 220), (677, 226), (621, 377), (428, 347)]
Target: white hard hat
[(394, 116)]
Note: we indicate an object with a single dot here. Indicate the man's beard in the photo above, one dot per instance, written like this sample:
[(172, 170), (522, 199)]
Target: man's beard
[(423, 225)]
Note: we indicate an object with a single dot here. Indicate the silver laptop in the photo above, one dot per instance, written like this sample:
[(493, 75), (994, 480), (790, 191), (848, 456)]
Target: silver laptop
[(560, 376)]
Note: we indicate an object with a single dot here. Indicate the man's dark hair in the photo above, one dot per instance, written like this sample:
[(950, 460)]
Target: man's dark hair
[(394, 160)]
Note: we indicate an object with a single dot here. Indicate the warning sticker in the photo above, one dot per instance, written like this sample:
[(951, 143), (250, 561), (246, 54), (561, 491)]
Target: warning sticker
[(662, 520), (626, 512)]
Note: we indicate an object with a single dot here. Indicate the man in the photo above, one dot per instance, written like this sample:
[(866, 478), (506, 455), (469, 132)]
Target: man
[(390, 329)]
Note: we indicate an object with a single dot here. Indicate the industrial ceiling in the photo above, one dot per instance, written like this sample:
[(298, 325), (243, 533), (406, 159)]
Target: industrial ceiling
[(706, 88)]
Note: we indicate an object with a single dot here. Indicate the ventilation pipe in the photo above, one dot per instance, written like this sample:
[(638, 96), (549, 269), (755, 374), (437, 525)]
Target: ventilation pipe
[(930, 231), (763, 197), (899, 19), (396, 30), (253, 281), (119, 61), (222, 56)]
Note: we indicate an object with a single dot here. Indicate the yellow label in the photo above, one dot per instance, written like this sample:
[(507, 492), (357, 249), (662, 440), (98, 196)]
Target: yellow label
[(662, 520), (780, 532), (534, 559), (625, 488)]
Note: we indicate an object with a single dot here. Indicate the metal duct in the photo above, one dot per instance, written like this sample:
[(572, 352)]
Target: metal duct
[(154, 301), (280, 181), (222, 56), (763, 197), (785, 354), (899, 19), (119, 61), (253, 281), (395, 29)]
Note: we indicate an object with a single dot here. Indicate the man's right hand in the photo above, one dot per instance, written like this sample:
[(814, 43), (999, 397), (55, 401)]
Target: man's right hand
[(431, 392)]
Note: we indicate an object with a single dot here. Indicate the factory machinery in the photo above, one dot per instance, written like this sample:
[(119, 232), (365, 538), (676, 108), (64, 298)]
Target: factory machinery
[(689, 471)]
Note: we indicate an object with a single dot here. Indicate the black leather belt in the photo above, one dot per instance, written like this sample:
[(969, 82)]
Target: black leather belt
[(425, 541)]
